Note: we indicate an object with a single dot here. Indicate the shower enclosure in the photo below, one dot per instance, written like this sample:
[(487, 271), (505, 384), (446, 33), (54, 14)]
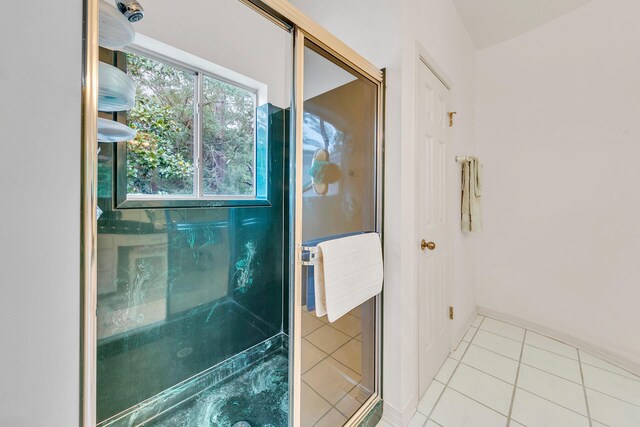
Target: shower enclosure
[(257, 134)]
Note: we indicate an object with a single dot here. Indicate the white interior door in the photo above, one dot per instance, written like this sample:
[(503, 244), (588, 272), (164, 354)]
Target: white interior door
[(433, 223)]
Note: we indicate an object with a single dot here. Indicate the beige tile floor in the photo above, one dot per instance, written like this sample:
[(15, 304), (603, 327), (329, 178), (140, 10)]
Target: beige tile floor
[(503, 375), (331, 369)]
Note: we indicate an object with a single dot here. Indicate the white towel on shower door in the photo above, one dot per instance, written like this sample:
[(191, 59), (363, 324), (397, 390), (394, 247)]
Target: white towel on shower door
[(349, 272)]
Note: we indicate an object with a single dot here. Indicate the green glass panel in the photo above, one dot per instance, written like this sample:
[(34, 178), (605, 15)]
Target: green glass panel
[(182, 290)]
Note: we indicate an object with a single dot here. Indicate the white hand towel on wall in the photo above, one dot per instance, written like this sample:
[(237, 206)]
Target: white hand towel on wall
[(349, 272), (471, 195)]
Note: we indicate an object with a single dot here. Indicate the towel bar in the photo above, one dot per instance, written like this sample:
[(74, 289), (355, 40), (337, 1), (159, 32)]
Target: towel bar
[(309, 255), (461, 159)]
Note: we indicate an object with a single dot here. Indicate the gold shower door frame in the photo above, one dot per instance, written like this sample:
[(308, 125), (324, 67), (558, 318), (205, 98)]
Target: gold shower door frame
[(350, 60), (284, 14)]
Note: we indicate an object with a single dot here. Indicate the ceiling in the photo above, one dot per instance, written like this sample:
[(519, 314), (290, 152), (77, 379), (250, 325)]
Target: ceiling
[(493, 21)]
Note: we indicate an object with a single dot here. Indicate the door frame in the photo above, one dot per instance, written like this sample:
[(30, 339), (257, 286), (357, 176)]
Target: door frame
[(423, 58)]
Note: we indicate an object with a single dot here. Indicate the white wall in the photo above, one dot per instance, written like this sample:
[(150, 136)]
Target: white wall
[(40, 77), (559, 133), (386, 35), (242, 40)]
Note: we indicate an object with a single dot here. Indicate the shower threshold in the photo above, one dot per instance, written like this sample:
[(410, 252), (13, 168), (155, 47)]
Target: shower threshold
[(250, 387)]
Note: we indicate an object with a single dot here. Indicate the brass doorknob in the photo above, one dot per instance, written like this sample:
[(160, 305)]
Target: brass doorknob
[(427, 245)]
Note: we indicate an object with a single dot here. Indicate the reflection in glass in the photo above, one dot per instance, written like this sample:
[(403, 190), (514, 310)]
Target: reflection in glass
[(338, 359), (321, 138)]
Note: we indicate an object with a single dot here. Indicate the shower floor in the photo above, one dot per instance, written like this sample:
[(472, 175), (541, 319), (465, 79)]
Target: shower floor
[(251, 386), (146, 363), (258, 396)]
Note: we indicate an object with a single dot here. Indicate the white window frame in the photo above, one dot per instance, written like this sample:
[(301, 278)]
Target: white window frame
[(200, 68)]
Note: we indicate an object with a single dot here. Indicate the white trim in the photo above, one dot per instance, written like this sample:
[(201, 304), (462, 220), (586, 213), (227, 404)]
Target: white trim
[(432, 64), (463, 331), (145, 44), (391, 415), (568, 339), (410, 409)]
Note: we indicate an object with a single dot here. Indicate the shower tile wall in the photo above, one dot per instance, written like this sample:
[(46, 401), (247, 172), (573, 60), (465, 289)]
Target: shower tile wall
[(180, 290)]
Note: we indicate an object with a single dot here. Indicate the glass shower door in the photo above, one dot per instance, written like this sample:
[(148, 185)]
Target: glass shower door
[(338, 197), (192, 255)]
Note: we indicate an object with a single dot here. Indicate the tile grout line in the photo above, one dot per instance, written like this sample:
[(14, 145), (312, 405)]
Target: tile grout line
[(579, 361), (315, 329), (636, 379), (553, 402), (476, 401), (552, 374), (330, 356), (496, 411), (613, 397), (515, 383), (319, 361), (452, 373), (342, 398), (537, 333), (346, 394), (321, 397), (323, 415), (486, 373), (553, 352), (520, 388), (537, 347), (506, 323), (329, 403), (493, 351), (500, 335), (520, 363), (584, 389), (531, 366), (562, 355)]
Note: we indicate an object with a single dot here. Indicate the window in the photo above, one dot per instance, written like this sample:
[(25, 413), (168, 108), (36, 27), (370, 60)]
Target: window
[(160, 160), (196, 139)]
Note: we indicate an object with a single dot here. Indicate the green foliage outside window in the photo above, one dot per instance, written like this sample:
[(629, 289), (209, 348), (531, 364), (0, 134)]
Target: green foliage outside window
[(160, 158), (228, 141)]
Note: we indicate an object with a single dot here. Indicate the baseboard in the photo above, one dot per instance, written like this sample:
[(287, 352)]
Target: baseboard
[(398, 418), (568, 339), (466, 325), (391, 415), (410, 409)]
